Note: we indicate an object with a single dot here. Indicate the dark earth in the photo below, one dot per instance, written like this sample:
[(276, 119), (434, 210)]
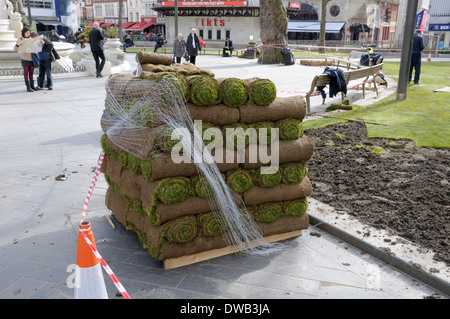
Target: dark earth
[(384, 183)]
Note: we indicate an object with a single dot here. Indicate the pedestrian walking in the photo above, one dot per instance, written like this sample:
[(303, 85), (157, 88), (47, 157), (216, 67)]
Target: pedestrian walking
[(96, 42), (192, 45), (416, 58), (179, 47), (26, 60), (46, 57)]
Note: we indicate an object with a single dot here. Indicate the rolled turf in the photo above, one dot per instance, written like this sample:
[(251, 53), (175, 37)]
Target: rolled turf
[(233, 92), (182, 230), (173, 190), (261, 91), (203, 90), (296, 207), (290, 129), (293, 172), (239, 180)]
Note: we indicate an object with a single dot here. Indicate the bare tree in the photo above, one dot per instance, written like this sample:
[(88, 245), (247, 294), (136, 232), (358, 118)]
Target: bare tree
[(323, 23), (273, 26)]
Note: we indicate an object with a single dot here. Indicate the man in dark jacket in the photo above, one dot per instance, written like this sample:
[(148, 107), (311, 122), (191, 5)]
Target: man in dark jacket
[(416, 58), (128, 43), (95, 41), (228, 46), (159, 42)]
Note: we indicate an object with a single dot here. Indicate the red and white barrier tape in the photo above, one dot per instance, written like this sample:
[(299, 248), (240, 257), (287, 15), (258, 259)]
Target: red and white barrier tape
[(108, 270), (309, 47), (106, 267), (91, 188)]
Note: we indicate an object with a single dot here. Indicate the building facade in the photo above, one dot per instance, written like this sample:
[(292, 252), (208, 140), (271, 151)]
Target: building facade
[(348, 21), (214, 20), (439, 23)]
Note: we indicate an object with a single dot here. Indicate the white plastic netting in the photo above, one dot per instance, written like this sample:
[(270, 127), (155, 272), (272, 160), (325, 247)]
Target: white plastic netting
[(135, 111)]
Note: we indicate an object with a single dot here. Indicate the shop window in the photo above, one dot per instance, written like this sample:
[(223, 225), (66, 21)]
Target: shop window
[(201, 33), (219, 34), (386, 15), (209, 34), (305, 12), (227, 34)]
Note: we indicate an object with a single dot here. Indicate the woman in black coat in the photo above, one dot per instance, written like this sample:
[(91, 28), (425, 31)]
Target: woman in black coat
[(192, 46)]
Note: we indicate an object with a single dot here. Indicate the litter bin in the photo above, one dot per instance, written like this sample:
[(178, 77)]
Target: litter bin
[(251, 52), (288, 56)]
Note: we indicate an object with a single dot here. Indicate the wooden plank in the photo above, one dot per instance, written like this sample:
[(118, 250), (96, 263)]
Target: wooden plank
[(172, 263)]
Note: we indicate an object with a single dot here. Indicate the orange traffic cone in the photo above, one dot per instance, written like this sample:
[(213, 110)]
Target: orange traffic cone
[(89, 282), (337, 50), (429, 56), (309, 49)]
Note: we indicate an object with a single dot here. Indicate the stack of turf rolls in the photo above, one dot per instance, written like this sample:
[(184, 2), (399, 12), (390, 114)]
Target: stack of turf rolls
[(169, 205)]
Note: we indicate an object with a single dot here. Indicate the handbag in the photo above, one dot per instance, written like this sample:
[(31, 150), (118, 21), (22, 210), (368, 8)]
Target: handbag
[(186, 56)]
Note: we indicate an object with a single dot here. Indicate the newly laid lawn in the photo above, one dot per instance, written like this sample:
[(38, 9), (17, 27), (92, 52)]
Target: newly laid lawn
[(424, 116)]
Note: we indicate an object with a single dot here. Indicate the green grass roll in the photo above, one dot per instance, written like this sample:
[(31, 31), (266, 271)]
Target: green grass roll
[(209, 225), (239, 180), (203, 90), (293, 172), (261, 91), (296, 207), (233, 92), (290, 129), (173, 190), (182, 230), (267, 180), (269, 212), (200, 187)]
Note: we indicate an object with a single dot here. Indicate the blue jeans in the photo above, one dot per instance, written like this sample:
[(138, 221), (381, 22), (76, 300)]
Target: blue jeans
[(45, 69), (416, 62)]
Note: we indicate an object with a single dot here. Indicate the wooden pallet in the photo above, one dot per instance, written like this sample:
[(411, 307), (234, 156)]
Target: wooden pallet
[(172, 263)]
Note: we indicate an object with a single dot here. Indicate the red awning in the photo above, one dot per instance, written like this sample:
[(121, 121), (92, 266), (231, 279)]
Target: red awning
[(147, 24), (90, 25), (141, 26), (127, 25), (106, 25)]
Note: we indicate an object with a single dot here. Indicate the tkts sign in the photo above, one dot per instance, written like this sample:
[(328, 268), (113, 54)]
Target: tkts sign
[(205, 3), (211, 22)]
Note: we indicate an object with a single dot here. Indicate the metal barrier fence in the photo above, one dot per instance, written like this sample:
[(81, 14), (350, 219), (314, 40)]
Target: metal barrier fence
[(16, 72)]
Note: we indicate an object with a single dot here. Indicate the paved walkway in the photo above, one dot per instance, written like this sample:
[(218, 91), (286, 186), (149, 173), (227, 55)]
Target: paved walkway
[(49, 133)]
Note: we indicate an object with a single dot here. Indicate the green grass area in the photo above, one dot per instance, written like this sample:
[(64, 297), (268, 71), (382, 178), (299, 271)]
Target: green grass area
[(424, 116)]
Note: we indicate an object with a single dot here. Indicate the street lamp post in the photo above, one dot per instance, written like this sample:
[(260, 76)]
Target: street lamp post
[(176, 19), (29, 12)]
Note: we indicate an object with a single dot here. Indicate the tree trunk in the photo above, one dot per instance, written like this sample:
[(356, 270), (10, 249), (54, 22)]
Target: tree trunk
[(273, 26), (323, 22)]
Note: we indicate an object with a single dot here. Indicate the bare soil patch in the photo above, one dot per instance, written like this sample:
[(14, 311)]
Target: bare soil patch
[(384, 183)]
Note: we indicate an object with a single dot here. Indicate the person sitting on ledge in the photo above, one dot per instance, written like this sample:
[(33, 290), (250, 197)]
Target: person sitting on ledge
[(228, 46)]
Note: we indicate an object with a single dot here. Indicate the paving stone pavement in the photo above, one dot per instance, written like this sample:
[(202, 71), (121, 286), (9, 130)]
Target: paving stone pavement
[(49, 133)]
